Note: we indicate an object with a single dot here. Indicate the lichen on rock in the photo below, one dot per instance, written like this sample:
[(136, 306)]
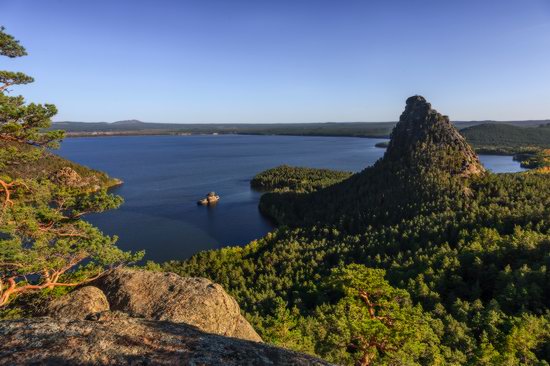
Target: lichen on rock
[(69, 177), (78, 304)]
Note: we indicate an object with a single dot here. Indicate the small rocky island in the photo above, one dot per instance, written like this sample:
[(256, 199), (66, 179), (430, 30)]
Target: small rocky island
[(211, 199)]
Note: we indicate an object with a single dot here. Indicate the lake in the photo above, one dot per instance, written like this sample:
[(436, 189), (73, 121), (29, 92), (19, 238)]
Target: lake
[(164, 176)]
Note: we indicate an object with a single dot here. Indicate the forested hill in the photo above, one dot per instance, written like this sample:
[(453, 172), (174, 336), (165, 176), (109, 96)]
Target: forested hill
[(422, 259), (356, 129), (490, 137)]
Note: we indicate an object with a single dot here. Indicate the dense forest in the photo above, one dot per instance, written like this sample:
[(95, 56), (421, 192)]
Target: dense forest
[(424, 258), (285, 178), (507, 139)]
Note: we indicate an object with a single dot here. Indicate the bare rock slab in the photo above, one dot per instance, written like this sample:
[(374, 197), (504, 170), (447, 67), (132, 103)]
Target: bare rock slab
[(114, 338)]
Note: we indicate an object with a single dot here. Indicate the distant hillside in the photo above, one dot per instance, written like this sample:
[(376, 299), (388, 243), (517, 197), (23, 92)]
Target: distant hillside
[(522, 123), (504, 137), (352, 129), (134, 127)]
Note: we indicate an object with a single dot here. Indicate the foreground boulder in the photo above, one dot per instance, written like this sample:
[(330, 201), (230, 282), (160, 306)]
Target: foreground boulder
[(78, 304), (169, 297), (114, 338)]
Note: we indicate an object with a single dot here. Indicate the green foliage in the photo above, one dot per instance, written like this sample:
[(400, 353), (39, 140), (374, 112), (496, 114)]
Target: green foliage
[(14, 78), (286, 178), (27, 162), (372, 322), (286, 328), (9, 46), (21, 122), (25, 123)]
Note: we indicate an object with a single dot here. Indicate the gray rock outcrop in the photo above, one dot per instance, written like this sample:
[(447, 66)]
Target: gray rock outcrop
[(115, 338)]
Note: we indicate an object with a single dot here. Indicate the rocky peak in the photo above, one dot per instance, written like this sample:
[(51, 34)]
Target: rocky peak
[(426, 139)]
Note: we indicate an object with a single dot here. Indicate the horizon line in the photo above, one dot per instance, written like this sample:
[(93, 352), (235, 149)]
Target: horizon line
[(291, 123)]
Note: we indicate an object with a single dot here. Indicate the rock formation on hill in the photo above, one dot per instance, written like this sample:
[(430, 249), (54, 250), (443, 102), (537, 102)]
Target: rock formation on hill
[(114, 338), (425, 137), (426, 159)]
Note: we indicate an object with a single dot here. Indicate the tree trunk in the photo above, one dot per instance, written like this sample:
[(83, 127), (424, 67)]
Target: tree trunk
[(365, 360)]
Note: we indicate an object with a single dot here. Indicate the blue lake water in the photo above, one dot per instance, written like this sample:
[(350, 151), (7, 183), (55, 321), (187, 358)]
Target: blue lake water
[(164, 176)]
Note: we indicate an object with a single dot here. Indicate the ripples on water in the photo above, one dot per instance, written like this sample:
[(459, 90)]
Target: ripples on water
[(164, 176)]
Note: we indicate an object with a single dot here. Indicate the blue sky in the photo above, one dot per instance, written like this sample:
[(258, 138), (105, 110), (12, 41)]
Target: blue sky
[(283, 60)]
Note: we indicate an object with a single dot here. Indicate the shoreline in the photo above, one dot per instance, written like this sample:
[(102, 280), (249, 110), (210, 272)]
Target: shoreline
[(172, 133)]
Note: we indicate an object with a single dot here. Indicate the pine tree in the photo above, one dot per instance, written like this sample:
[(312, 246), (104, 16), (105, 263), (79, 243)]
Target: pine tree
[(43, 240)]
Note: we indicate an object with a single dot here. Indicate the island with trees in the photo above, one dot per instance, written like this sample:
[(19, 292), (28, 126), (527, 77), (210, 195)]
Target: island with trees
[(286, 178)]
